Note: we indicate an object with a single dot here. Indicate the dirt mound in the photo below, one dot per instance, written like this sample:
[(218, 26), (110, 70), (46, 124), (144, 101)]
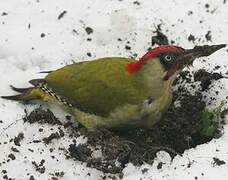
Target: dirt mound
[(177, 131)]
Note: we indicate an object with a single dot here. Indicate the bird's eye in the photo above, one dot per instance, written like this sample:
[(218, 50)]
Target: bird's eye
[(168, 58)]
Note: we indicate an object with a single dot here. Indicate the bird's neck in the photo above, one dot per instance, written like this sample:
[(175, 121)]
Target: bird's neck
[(152, 74)]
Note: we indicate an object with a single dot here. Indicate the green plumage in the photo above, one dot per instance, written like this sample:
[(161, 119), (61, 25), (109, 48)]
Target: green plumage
[(98, 86), (102, 93)]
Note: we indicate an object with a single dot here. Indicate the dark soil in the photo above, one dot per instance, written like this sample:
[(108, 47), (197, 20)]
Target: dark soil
[(17, 140), (218, 162), (160, 38), (62, 14), (39, 167), (4, 14), (12, 156), (208, 36), (191, 38), (41, 116), (48, 139), (206, 78), (42, 35), (80, 152), (89, 30), (176, 132)]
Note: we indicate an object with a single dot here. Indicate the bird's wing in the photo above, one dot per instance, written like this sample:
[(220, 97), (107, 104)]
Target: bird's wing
[(97, 86)]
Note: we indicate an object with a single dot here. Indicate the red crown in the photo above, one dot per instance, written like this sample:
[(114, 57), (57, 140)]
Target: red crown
[(152, 53)]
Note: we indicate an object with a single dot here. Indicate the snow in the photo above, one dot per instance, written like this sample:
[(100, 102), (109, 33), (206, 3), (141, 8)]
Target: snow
[(24, 53)]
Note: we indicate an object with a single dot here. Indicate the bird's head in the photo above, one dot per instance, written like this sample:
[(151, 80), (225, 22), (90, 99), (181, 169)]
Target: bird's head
[(173, 58)]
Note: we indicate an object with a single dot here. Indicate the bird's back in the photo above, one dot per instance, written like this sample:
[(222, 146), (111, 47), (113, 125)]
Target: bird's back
[(98, 86)]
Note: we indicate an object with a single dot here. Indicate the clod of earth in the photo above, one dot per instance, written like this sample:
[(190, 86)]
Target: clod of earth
[(80, 152), (191, 38), (17, 140), (218, 161), (39, 167), (159, 38), (206, 78), (42, 116), (62, 14), (48, 139), (89, 30), (208, 36)]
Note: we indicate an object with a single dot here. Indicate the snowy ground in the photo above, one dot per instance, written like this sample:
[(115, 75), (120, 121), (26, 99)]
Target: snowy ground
[(34, 37)]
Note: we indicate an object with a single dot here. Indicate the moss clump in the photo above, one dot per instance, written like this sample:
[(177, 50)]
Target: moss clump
[(209, 122)]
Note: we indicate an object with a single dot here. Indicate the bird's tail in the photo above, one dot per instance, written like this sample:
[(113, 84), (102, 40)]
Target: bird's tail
[(27, 94)]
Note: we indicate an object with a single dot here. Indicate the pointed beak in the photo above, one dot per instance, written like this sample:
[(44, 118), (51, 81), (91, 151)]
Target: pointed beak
[(189, 55)]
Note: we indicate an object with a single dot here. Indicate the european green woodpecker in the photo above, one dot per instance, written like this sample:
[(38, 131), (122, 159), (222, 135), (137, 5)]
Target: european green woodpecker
[(116, 92)]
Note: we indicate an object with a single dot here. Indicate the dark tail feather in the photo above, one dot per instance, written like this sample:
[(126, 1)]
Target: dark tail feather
[(30, 93), (18, 97), (20, 90), (26, 94), (45, 71), (23, 96)]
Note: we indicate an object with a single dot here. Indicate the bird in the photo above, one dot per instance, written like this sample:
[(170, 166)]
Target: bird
[(116, 92)]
